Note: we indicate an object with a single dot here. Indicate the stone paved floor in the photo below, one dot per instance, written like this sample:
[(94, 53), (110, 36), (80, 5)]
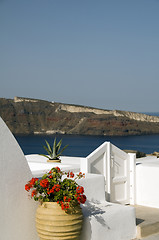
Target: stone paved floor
[(147, 220), (152, 237)]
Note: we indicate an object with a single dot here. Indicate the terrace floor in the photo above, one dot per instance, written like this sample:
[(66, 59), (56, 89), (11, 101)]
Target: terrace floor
[(147, 221)]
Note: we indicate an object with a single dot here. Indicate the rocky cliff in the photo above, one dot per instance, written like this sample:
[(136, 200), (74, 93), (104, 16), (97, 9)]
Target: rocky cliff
[(33, 116)]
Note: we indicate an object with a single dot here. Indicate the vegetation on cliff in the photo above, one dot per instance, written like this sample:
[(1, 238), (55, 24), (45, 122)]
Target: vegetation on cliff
[(33, 116)]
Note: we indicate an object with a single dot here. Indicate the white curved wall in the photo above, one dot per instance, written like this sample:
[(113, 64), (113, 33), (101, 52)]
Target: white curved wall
[(17, 211)]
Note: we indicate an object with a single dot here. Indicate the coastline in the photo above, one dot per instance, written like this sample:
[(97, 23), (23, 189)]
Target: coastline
[(32, 116)]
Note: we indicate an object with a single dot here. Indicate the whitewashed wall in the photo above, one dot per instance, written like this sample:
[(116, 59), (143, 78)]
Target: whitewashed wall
[(147, 182), (17, 211)]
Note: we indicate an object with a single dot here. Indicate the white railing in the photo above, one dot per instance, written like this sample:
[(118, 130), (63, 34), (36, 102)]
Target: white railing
[(94, 163)]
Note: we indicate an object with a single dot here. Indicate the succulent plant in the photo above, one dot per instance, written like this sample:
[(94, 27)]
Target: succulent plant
[(54, 152)]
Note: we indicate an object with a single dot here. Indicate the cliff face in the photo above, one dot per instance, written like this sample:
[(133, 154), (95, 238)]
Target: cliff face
[(31, 116)]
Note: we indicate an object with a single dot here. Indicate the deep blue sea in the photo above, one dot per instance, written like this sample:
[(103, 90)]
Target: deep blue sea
[(82, 146)]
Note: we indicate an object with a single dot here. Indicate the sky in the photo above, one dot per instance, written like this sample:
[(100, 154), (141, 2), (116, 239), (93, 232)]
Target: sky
[(98, 53)]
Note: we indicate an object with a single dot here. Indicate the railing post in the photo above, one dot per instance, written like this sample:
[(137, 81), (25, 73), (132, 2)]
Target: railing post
[(132, 178), (108, 173)]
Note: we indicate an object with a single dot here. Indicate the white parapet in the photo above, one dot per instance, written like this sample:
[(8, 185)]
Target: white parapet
[(39, 166), (104, 220), (108, 221)]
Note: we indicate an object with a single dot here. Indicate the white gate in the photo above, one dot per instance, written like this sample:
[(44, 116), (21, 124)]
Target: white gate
[(119, 176), (118, 169)]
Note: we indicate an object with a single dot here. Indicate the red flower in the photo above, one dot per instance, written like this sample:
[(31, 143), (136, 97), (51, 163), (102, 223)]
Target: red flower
[(27, 187), (44, 183), (83, 199), (80, 190), (33, 180), (64, 206), (57, 187), (79, 199), (64, 198), (71, 174), (30, 184), (58, 169), (33, 193), (52, 190)]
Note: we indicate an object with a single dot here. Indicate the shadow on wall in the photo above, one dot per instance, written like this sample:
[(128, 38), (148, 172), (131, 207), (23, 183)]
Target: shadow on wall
[(91, 210)]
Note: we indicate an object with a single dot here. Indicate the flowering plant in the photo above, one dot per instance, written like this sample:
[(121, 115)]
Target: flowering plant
[(52, 188)]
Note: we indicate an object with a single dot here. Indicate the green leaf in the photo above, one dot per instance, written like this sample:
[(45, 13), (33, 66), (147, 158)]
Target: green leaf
[(62, 151), (47, 150), (58, 146), (54, 147), (49, 147), (44, 155)]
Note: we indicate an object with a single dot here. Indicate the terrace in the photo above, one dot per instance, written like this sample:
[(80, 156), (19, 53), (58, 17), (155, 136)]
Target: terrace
[(114, 182)]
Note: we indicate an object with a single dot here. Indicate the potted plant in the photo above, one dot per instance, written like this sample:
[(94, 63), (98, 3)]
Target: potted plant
[(59, 215), (54, 152)]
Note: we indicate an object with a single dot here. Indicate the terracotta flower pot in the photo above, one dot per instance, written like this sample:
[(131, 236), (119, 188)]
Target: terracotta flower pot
[(54, 161), (53, 223)]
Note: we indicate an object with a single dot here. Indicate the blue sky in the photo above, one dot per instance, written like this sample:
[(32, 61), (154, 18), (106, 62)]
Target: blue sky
[(103, 54)]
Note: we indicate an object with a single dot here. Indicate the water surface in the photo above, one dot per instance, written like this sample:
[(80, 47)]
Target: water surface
[(83, 145)]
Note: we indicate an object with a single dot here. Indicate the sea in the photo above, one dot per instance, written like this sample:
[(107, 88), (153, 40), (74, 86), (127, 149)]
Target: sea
[(82, 146)]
